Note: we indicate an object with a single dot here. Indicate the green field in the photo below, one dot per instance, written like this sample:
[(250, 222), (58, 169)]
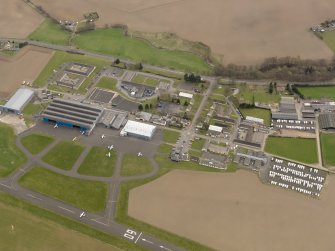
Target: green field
[(170, 136), (141, 79), (60, 58), (329, 39), (84, 194), (327, 147), (298, 149), (50, 32), (33, 233), (63, 155), (108, 83), (33, 109), (258, 113), (97, 163), (35, 143), (133, 165), (260, 94), (198, 144), (317, 92), (113, 42), (11, 157)]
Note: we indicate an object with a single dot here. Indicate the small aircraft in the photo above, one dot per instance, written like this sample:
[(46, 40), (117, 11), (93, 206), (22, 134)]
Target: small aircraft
[(103, 136), (82, 132), (110, 147), (56, 125), (82, 214), (108, 154), (139, 154), (74, 139)]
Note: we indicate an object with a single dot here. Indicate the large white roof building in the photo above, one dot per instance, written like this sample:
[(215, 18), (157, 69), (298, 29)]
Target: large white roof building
[(19, 100), (138, 129)]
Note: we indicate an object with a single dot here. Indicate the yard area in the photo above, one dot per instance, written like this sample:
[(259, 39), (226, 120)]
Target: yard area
[(317, 92), (108, 83), (35, 143), (259, 93), (84, 194), (327, 148), (298, 149), (97, 163), (198, 144), (257, 113), (11, 157), (170, 136), (133, 165), (141, 79), (63, 155)]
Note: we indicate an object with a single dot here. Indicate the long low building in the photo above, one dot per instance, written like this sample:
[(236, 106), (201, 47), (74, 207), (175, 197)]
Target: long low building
[(327, 121), (18, 101), (72, 114), (138, 130)]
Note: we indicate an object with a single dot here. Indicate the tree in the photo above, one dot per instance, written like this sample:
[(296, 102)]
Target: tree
[(186, 103), (178, 101), (186, 78), (117, 61), (150, 106), (271, 88), (146, 107), (253, 100), (275, 87), (140, 107), (140, 66)]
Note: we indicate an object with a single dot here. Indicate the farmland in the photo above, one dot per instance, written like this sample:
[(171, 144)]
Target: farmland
[(317, 92)]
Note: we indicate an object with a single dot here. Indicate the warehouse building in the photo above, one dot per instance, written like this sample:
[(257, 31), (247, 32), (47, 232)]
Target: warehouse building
[(327, 121), (18, 101), (72, 114), (287, 109), (138, 130), (114, 119)]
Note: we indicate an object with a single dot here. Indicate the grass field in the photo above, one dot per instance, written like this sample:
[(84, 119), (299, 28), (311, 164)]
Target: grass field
[(97, 163), (33, 233), (258, 113), (32, 109), (198, 144), (113, 42), (317, 92), (299, 149), (141, 79), (84, 194), (51, 33), (327, 148), (63, 155), (329, 39), (35, 143), (108, 83), (62, 57), (170, 136), (11, 157), (133, 165), (260, 94)]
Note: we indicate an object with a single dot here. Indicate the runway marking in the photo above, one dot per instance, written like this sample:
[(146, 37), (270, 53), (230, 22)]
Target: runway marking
[(100, 222), (6, 186), (33, 196), (138, 237), (162, 247), (66, 209), (145, 240)]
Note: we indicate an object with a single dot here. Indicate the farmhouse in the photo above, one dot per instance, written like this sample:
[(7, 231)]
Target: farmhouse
[(18, 101), (327, 121), (138, 130), (72, 114)]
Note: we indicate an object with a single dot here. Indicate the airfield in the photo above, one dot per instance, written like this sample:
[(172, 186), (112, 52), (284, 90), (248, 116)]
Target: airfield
[(220, 210), (244, 32)]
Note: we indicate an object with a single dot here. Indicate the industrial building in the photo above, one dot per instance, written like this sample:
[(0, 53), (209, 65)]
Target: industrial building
[(72, 114), (138, 130), (255, 120), (18, 101), (287, 109), (113, 118), (185, 95), (327, 121), (215, 130)]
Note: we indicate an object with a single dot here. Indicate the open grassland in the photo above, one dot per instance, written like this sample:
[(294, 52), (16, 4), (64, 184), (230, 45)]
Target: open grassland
[(11, 157), (84, 194), (62, 57), (134, 165), (198, 144), (18, 68), (63, 155), (50, 32), (257, 113), (317, 92), (170, 136), (235, 29), (97, 163), (328, 148), (141, 79), (259, 94), (299, 149), (108, 83), (33, 233), (35, 143), (114, 42), (329, 39), (253, 209)]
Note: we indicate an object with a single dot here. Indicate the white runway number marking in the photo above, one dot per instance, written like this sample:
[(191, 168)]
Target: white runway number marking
[(131, 234)]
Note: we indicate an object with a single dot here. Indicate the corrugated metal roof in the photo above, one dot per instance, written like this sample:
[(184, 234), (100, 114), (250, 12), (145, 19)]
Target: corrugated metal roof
[(215, 128), (138, 128), (19, 99)]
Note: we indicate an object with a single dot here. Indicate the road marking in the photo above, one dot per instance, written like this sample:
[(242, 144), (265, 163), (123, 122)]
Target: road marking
[(100, 222), (6, 186), (147, 241), (162, 247), (138, 237), (66, 209), (33, 196)]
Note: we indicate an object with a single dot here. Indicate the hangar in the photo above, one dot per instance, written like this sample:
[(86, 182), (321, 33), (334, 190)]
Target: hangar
[(138, 130), (72, 114), (18, 101), (327, 121)]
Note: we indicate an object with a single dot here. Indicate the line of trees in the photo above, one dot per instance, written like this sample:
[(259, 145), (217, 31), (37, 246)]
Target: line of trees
[(190, 77)]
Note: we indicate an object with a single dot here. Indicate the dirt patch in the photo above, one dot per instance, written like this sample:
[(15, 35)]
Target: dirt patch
[(295, 134), (24, 66), (14, 121), (244, 31), (236, 211), (17, 20)]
